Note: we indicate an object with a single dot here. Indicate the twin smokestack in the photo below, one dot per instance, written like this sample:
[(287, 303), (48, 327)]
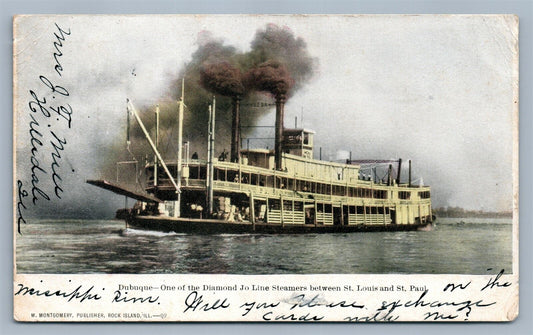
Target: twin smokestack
[(278, 144), (235, 130), (278, 137)]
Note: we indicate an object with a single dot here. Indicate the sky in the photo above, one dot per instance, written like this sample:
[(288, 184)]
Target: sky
[(439, 90)]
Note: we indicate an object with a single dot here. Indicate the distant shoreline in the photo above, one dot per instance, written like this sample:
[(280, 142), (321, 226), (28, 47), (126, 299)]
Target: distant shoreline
[(456, 212)]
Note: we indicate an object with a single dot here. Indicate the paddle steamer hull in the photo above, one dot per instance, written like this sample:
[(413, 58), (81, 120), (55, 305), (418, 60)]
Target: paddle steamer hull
[(202, 226)]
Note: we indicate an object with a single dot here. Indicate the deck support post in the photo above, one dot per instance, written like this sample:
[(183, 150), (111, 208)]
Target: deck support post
[(252, 210), (316, 214), (281, 210), (364, 213)]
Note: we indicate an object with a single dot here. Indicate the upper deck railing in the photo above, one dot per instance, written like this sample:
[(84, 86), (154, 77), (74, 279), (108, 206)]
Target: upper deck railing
[(239, 177)]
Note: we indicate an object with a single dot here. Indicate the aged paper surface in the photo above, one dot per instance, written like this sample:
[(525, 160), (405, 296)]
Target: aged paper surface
[(339, 231)]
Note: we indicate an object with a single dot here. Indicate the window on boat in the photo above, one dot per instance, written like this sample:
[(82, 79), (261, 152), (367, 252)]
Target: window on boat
[(269, 181), (219, 174), (424, 195), (380, 194), (327, 208), (360, 210), (283, 184), (203, 172), (298, 206), (404, 195), (233, 175), (290, 184), (245, 178), (274, 204), (287, 205), (380, 210), (254, 179), (193, 172), (262, 180), (351, 209)]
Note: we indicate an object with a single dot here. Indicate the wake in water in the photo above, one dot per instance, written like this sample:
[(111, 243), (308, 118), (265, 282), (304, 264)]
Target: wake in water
[(140, 232)]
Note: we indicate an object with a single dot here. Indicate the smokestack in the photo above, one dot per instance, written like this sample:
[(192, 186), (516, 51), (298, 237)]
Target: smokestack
[(278, 147), (235, 129), (409, 173), (399, 171)]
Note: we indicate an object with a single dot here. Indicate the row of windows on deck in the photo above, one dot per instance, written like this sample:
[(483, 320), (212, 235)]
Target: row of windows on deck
[(406, 195), (275, 204), (200, 172)]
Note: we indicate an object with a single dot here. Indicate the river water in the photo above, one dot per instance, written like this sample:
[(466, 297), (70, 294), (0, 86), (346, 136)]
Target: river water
[(454, 246)]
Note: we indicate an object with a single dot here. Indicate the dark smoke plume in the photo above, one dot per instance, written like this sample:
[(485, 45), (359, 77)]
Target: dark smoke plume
[(217, 68), (279, 44), (222, 78), (272, 77)]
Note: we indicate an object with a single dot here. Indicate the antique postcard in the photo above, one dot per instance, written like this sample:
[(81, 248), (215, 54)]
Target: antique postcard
[(347, 168)]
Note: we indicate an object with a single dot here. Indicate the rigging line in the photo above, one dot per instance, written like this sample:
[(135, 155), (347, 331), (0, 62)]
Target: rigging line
[(131, 153), (169, 137), (138, 172)]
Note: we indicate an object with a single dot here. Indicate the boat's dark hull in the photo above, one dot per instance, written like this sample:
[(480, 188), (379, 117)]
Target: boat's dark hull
[(199, 226)]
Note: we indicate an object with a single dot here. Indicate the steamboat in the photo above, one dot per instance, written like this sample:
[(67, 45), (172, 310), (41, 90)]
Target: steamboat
[(284, 190)]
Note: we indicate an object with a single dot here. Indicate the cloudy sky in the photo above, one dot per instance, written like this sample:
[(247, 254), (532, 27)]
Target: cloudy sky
[(439, 90)]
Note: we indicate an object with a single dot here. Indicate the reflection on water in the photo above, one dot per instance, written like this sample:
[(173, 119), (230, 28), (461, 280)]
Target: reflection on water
[(455, 246)]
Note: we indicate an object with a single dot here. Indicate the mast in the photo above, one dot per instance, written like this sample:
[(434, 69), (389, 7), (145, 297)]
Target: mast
[(210, 156), (128, 127), (156, 165), (177, 206)]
